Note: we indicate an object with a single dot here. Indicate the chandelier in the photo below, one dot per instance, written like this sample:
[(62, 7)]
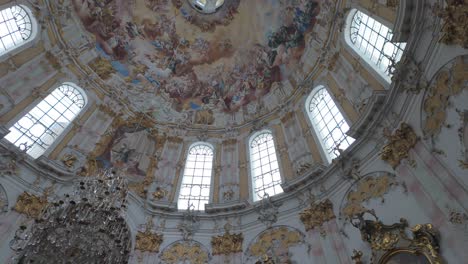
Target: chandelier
[(85, 226)]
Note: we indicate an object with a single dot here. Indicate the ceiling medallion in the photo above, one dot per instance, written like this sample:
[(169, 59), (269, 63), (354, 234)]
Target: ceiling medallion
[(207, 14), (206, 6)]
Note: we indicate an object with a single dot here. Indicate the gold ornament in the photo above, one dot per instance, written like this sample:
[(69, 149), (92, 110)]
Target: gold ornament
[(185, 251), (160, 193), (69, 160), (317, 214), (227, 244), (367, 189), (148, 241), (30, 205), (285, 237), (455, 16), (448, 83), (399, 145)]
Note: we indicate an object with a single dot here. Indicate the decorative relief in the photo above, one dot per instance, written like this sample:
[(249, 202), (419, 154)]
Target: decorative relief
[(367, 189), (227, 244), (399, 144), (69, 160), (388, 241), (190, 223), (409, 74), (275, 244), (316, 215), (147, 240), (8, 164), (455, 16), (448, 83), (3, 200), (268, 211), (185, 252), (357, 257), (30, 205), (160, 193), (458, 218)]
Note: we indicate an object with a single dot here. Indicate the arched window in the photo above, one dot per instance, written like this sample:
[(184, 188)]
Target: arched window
[(266, 178), (373, 41), (16, 27), (196, 182), (41, 126), (328, 122)]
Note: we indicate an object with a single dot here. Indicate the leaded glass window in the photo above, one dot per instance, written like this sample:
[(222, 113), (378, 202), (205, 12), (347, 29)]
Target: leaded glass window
[(16, 28), (266, 178), (329, 123), (41, 126), (373, 41), (196, 182)]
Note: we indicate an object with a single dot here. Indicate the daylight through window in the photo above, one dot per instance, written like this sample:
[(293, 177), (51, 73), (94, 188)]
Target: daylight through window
[(41, 126), (15, 28), (196, 182), (266, 176), (329, 123), (373, 41)]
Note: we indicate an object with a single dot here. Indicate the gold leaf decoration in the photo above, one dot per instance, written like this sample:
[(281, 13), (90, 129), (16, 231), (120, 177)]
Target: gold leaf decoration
[(368, 188), (148, 241), (317, 214), (30, 205), (185, 251), (455, 16), (448, 83), (285, 237), (227, 244), (399, 145)]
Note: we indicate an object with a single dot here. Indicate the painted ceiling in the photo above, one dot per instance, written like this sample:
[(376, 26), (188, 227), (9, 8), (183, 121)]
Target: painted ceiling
[(181, 66)]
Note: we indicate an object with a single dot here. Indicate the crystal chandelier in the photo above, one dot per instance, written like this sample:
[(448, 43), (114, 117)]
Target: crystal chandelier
[(86, 226)]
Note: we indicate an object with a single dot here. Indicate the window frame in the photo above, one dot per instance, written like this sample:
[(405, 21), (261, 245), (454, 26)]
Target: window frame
[(182, 174), (368, 64), (35, 103), (249, 161), (313, 126), (32, 40)]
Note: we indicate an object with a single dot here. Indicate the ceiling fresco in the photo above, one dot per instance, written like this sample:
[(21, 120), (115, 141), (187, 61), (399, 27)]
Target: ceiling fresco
[(179, 64)]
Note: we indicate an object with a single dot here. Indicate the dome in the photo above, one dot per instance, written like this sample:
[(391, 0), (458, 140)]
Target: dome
[(233, 131)]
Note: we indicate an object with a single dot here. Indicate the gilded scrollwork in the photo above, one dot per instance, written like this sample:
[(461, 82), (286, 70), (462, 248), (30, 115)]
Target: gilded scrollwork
[(185, 251), (367, 189), (30, 204), (399, 145), (317, 214), (388, 240), (160, 193), (69, 160), (148, 241), (447, 83), (271, 242), (455, 17), (227, 244)]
